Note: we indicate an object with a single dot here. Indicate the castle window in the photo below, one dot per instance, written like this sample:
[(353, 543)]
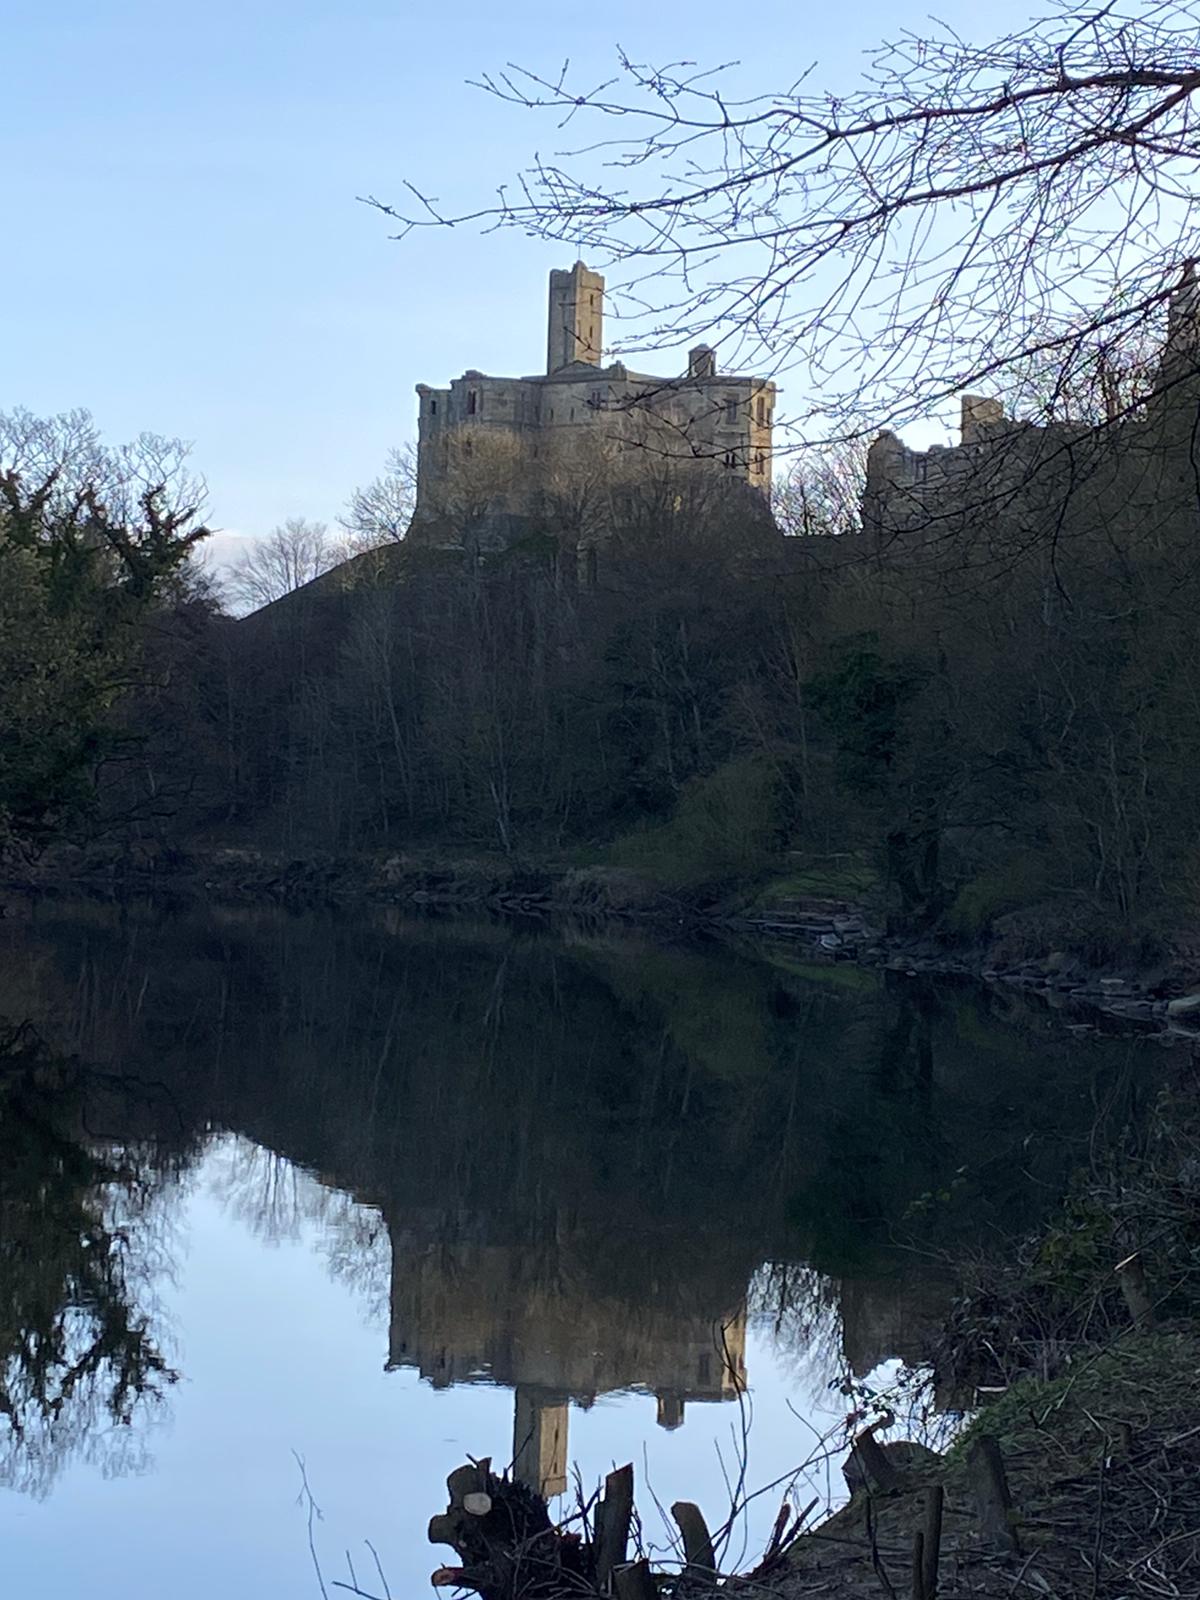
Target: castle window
[(598, 399), (731, 458), (472, 402), (762, 411), (760, 462), (731, 408), (433, 408)]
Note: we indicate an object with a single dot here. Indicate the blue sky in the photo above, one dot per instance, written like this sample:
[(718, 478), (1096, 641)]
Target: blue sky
[(183, 248)]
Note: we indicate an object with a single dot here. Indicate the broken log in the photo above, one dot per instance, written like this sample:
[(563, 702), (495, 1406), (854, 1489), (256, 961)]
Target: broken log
[(511, 1550), (697, 1541), (633, 1580), (873, 1465), (931, 1537), (993, 1502), (1131, 1275), (613, 1517), (918, 1566)]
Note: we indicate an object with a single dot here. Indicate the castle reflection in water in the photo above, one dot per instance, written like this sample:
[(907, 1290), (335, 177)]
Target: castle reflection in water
[(476, 1311), (465, 1308)]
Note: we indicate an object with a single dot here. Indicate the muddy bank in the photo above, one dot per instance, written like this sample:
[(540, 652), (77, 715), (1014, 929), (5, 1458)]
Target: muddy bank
[(1077, 1351)]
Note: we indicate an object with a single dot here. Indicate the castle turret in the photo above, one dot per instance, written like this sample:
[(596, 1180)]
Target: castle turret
[(576, 322)]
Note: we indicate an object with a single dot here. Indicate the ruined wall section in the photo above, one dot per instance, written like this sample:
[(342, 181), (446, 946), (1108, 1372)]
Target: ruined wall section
[(1001, 470)]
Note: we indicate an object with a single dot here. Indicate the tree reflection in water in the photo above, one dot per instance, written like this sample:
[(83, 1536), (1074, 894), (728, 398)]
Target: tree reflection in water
[(81, 1363)]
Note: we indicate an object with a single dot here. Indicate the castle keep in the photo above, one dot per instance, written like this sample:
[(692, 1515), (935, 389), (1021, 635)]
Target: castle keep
[(491, 448)]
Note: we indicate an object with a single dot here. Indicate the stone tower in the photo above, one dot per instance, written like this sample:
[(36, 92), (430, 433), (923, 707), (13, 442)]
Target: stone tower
[(576, 322)]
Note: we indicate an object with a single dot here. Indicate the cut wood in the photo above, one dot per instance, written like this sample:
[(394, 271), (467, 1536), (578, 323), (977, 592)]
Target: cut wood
[(613, 1517), (918, 1566), (872, 1461), (633, 1581), (931, 1537), (697, 1541), (467, 1480), (989, 1484), (1131, 1275)]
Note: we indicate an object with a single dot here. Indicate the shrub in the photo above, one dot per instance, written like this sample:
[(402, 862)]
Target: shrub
[(725, 826)]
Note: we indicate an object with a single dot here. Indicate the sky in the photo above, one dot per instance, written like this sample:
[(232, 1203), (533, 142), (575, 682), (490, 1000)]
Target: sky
[(184, 249)]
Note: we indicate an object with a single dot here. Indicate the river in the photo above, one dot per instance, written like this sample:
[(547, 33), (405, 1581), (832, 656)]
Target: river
[(299, 1211)]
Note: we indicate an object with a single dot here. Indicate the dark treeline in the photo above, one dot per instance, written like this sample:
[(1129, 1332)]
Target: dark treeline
[(980, 701)]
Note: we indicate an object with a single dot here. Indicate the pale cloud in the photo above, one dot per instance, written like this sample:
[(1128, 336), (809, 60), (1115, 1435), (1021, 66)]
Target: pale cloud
[(221, 549)]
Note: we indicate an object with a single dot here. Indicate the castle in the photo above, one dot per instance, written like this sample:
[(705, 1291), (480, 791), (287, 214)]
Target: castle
[(496, 455), (1037, 476)]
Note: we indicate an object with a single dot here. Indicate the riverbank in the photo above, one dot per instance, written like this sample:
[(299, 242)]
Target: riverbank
[(1078, 1352), (1157, 992), (1102, 1467)]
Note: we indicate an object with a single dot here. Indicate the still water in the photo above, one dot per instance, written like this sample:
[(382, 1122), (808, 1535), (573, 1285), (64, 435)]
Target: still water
[(335, 1201)]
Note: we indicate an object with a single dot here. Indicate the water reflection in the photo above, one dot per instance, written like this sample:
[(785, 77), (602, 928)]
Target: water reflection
[(82, 1245), (556, 1164)]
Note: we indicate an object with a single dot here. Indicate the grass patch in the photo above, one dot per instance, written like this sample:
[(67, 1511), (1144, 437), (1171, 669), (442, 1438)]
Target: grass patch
[(840, 877)]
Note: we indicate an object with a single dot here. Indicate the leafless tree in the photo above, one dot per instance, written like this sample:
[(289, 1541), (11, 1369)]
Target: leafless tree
[(291, 555), (64, 459), (379, 512), (822, 490), (962, 213)]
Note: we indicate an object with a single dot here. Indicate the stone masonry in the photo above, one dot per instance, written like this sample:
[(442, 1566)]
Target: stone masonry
[(580, 410)]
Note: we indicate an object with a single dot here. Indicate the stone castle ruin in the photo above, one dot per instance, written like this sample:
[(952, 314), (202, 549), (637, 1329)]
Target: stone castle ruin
[(1030, 477), (559, 451)]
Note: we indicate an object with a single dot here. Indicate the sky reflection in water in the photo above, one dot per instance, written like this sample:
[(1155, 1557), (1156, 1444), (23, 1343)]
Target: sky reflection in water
[(282, 1358)]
